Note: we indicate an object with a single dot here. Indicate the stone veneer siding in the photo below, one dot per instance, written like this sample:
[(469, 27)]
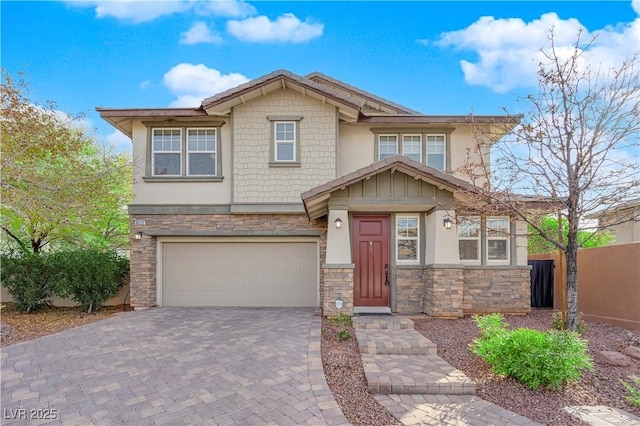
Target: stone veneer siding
[(443, 292), (255, 179), (497, 290), (453, 292), (409, 290), (143, 252), (337, 282)]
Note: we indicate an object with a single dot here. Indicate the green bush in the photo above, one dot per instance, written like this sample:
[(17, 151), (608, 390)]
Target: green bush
[(29, 281), (532, 357), (89, 277), (558, 324), (633, 390)]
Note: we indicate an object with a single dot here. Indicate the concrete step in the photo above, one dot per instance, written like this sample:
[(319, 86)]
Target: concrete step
[(414, 374), (381, 322), (394, 342)]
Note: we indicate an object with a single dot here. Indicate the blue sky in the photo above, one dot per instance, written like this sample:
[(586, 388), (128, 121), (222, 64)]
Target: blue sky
[(435, 57)]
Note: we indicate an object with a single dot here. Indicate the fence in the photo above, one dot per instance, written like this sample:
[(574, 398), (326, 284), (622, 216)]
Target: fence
[(608, 283)]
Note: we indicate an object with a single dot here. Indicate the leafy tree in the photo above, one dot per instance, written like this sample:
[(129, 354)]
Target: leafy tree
[(59, 186), (572, 153), (586, 239)]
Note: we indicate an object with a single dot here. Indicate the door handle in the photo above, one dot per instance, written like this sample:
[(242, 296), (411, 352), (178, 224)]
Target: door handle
[(386, 274)]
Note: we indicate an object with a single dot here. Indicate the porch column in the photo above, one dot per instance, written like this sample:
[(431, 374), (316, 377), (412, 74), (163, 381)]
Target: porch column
[(338, 267)]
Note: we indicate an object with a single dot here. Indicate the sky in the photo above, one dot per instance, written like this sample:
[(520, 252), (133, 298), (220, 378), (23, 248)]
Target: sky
[(440, 58)]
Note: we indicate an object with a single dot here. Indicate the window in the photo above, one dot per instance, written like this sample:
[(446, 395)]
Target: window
[(469, 238), (387, 146), (498, 239), (167, 152), (201, 151), (407, 234), (412, 147), (436, 152), (285, 140)]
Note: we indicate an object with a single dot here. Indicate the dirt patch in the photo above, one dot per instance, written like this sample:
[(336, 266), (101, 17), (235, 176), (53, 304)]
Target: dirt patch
[(19, 326), (601, 386)]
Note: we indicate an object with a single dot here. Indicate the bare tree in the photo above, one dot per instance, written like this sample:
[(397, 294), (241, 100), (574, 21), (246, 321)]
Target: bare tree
[(575, 152)]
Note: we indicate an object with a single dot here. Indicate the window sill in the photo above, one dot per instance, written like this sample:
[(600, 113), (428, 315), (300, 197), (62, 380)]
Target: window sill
[(183, 178), (284, 164)]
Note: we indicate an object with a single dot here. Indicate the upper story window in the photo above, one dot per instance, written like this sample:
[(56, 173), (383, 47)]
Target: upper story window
[(498, 231), (167, 152), (407, 238), (387, 146), (436, 152), (469, 238), (285, 140), (426, 145), (189, 151), (201, 151), (412, 147)]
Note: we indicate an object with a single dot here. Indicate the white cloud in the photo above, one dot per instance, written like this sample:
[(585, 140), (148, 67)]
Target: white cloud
[(226, 8), (508, 50), (287, 28), (192, 83), (146, 84), (118, 141), (635, 4), (200, 33)]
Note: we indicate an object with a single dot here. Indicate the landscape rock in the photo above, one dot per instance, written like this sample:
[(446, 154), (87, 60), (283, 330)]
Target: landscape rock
[(632, 351), (613, 358)]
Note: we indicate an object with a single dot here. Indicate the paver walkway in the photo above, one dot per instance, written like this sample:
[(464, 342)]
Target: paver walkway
[(415, 385), (599, 415), (174, 366)]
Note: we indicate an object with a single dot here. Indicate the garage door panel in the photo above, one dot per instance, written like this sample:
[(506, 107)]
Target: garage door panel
[(240, 274)]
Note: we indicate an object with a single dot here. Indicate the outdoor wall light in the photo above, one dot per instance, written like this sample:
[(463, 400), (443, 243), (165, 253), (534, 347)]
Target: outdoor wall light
[(339, 302), (338, 223), (138, 235), (448, 223)]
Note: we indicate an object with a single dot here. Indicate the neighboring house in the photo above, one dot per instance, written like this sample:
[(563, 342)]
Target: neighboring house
[(623, 221), (295, 191)]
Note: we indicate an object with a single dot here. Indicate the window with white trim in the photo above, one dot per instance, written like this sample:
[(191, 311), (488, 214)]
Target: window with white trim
[(167, 152), (412, 147), (285, 140), (387, 146), (407, 238), (201, 152), (436, 152), (498, 230), (469, 238)]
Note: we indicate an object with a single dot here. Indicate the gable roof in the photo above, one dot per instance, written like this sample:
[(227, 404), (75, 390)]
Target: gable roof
[(316, 200), (371, 100), (221, 103)]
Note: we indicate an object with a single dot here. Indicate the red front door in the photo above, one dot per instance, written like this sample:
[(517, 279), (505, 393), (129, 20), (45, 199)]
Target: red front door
[(371, 258)]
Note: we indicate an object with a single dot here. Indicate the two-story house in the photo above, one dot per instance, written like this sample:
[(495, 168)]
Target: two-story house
[(297, 191)]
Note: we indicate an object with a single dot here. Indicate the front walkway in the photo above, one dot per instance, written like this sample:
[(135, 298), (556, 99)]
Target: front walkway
[(173, 366)]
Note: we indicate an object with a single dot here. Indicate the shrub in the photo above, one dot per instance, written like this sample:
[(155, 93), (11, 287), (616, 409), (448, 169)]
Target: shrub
[(556, 322), (633, 390), (29, 281), (90, 277), (532, 357)]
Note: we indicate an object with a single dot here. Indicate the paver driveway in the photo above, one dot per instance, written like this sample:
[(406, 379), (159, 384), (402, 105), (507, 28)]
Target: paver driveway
[(173, 366)]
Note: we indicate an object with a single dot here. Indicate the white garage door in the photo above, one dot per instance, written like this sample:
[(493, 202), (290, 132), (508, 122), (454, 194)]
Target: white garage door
[(239, 274)]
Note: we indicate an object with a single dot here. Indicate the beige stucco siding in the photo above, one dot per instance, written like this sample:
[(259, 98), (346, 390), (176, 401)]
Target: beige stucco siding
[(179, 192), (255, 179), (356, 146)]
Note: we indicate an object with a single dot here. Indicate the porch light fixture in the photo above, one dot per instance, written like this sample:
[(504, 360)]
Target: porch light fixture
[(448, 223), (338, 223), (138, 235), (339, 302)]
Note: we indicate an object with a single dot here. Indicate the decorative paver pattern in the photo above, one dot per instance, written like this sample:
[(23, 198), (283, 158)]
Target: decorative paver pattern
[(448, 410), (394, 342), (603, 416), (174, 366)]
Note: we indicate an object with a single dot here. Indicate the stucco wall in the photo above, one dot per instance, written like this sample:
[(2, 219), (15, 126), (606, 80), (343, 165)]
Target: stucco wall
[(255, 180), (179, 192), (608, 283)]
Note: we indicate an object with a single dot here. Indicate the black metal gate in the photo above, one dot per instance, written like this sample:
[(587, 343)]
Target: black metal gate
[(541, 283)]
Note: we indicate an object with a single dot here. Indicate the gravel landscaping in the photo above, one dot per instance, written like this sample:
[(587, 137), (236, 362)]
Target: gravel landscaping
[(601, 386)]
